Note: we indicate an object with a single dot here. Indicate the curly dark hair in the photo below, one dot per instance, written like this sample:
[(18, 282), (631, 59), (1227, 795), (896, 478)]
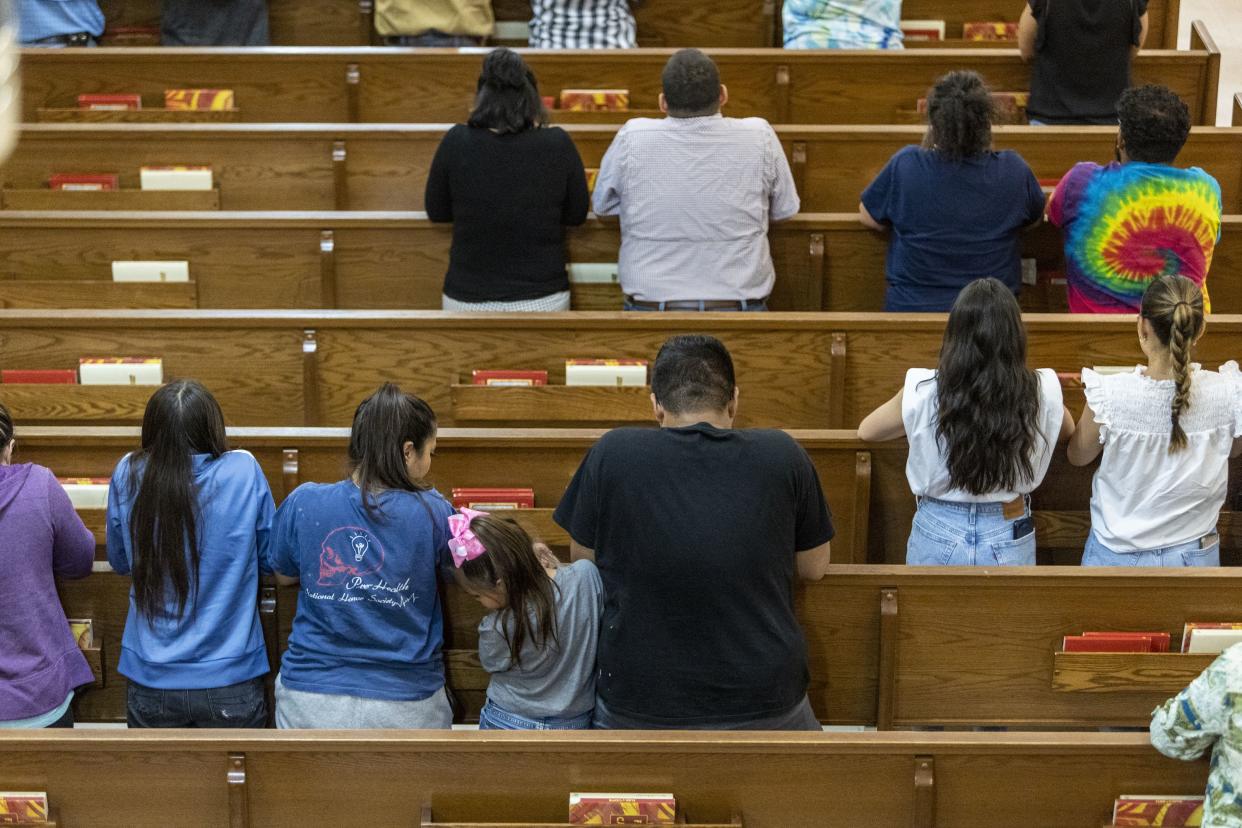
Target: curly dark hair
[(1155, 123), (959, 116), (691, 84)]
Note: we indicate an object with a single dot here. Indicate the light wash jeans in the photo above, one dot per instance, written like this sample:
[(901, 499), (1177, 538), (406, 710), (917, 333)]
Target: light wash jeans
[(967, 534), (1202, 552), (497, 718)]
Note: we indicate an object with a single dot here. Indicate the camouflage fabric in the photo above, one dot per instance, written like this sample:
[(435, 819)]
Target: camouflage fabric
[(1208, 714)]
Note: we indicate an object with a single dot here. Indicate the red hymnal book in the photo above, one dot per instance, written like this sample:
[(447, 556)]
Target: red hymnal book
[(15, 376), (1105, 644), (488, 377), (1000, 31), (83, 181), (121, 102), (1159, 640), (486, 499)]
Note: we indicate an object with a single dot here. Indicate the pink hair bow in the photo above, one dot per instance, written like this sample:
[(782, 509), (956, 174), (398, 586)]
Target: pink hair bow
[(464, 545)]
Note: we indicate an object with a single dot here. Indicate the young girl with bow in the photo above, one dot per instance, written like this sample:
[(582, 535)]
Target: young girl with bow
[(538, 640)]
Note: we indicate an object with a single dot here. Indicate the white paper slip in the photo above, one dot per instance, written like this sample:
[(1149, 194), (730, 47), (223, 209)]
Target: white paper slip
[(594, 273), (602, 373), (121, 372), (87, 495), (512, 30), (150, 271), (176, 178), (1213, 642)]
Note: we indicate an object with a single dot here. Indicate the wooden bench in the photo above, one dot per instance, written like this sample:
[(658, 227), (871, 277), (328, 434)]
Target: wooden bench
[(268, 368), (351, 167), (523, 780), (436, 86), (398, 261)]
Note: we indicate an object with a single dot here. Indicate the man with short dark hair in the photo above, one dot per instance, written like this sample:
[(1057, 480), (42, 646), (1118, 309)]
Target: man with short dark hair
[(695, 192), (1140, 217), (699, 531)]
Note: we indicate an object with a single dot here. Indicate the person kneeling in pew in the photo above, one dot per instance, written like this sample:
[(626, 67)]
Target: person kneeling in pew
[(699, 530), (982, 428)]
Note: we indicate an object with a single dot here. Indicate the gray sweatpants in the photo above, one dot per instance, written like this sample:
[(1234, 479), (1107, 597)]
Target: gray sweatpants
[(298, 709)]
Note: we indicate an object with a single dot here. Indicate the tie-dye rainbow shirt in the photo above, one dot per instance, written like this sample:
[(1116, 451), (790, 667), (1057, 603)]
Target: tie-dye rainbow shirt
[(1127, 224)]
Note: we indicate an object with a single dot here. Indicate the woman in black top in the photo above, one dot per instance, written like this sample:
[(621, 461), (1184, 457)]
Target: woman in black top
[(509, 184)]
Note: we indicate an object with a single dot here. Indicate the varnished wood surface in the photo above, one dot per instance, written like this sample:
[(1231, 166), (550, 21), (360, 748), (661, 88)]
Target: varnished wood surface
[(436, 86), (398, 260), (1126, 672), (770, 780), (385, 166)]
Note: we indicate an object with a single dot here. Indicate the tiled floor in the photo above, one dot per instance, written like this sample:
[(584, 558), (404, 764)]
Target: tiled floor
[(1224, 23)]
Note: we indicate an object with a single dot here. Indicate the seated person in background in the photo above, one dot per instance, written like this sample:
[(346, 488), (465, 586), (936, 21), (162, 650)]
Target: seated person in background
[(1206, 715), (982, 428), (189, 521), (842, 24), (538, 640), (1081, 52), (41, 539), (1167, 431), (510, 185), (214, 23), (58, 23), (365, 650), (1140, 217), (582, 24), (695, 192), (434, 23), (955, 206), (699, 531)]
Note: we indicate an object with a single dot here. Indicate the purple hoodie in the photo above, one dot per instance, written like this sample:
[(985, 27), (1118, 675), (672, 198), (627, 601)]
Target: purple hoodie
[(41, 538)]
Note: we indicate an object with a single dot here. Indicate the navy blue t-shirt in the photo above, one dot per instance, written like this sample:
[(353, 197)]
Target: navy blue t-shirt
[(368, 622), (952, 223)]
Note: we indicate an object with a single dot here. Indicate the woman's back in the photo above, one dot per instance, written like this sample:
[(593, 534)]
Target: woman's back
[(368, 622), (40, 537), (1144, 496), (217, 640)]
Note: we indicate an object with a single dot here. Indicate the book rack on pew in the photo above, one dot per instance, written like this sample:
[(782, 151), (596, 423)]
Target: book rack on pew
[(292, 778), (60, 293), (558, 404), (1126, 672), (429, 822), (69, 115), (131, 200)]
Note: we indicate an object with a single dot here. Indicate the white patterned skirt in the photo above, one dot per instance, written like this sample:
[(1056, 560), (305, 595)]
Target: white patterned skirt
[(543, 304)]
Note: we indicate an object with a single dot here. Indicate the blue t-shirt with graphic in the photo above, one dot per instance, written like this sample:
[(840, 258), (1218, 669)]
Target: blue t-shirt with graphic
[(368, 622)]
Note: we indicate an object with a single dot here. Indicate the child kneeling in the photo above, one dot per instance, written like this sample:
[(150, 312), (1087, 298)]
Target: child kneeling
[(538, 642)]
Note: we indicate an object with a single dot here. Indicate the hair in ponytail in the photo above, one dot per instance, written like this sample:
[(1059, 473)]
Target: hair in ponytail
[(1173, 306), (182, 419), (383, 423), (959, 116), (529, 592), (508, 99)]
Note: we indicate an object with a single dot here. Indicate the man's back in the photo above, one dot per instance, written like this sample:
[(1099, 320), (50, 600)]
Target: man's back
[(1127, 224), (695, 532), (695, 196)]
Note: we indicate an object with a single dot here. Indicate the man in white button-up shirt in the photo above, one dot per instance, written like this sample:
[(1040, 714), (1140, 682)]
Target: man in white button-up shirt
[(695, 192)]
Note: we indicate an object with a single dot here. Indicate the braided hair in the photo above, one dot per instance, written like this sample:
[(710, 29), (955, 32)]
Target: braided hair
[(959, 116), (1173, 306)]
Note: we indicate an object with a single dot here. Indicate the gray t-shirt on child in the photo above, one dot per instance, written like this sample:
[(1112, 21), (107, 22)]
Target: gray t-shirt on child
[(559, 680)]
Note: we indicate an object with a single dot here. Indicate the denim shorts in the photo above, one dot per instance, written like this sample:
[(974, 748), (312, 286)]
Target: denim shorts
[(1202, 552), (497, 718), (967, 534)]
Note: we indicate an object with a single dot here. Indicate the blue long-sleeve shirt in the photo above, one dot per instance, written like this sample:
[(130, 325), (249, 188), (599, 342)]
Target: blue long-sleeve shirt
[(218, 641)]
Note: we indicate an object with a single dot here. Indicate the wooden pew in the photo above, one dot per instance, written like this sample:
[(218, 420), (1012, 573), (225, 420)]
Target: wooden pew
[(522, 780), (436, 86), (268, 368), (350, 167), (398, 261)]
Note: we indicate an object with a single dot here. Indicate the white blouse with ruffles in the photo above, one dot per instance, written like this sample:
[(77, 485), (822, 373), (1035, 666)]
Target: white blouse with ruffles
[(1143, 497)]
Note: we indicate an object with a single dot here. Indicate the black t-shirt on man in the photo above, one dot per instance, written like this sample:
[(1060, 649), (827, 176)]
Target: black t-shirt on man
[(509, 198), (1082, 58), (695, 532)]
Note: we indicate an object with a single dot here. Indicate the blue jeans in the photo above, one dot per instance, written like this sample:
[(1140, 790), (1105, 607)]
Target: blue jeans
[(747, 305), (497, 718), (238, 705), (799, 717), (968, 534), (1202, 552)]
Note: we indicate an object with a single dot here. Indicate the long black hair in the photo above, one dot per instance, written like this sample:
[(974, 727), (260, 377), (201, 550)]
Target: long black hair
[(508, 97), (6, 428), (959, 116), (987, 399), (182, 419), (383, 423)]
